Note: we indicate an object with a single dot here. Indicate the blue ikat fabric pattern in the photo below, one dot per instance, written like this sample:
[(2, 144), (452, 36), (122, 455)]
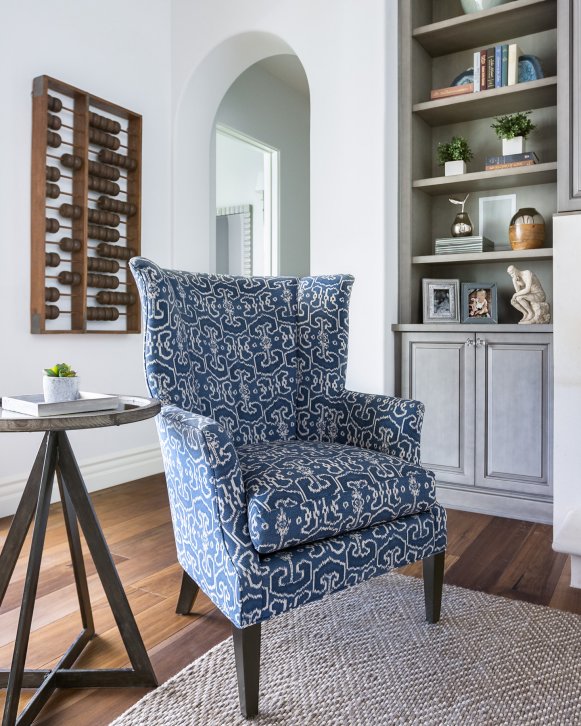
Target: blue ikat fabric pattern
[(256, 362), (304, 491)]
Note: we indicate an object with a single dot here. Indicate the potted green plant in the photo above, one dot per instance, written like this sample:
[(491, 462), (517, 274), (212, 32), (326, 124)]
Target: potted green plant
[(513, 129), (453, 155), (60, 383)]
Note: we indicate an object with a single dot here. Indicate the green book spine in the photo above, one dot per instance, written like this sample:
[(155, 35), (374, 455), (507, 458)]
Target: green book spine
[(505, 65)]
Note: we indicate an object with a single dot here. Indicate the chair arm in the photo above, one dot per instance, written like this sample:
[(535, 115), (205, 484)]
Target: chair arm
[(382, 423), (208, 506)]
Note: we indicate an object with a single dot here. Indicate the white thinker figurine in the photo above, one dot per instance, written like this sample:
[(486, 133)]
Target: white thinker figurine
[(529, 298)]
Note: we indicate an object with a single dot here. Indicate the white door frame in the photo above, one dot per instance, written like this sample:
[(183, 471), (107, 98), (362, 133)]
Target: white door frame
[(271, 196)]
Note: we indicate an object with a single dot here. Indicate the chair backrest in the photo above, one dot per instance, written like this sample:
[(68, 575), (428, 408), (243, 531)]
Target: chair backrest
[(234, 348)]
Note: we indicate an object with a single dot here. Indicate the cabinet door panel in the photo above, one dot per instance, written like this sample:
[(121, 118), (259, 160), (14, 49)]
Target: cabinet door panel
[(438, 369), (513, 416)]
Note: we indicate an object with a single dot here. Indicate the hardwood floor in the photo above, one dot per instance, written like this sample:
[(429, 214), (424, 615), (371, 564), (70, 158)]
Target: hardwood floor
[(501, 556)]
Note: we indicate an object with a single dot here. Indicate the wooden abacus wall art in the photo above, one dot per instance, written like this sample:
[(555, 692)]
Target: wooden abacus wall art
[(86, 212)]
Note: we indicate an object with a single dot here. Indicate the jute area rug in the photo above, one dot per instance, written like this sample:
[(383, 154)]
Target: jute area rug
[(366, 656)]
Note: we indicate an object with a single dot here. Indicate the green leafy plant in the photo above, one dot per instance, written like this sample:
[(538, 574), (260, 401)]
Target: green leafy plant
[(60, 370), (513, 125), (457, 149)]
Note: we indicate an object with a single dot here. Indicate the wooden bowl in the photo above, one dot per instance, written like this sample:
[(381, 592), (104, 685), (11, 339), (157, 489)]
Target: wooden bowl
[(526, 236)]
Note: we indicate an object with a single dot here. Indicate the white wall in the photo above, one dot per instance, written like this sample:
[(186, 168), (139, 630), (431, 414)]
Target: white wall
[(265, 108), (567, 355), (349, 52), (119, 51)]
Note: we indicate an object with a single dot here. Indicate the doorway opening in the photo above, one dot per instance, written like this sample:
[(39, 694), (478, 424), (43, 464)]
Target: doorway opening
[(247, 204)]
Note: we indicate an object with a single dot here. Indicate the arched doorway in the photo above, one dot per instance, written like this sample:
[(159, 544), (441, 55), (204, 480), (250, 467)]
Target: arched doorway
[(194, 232)]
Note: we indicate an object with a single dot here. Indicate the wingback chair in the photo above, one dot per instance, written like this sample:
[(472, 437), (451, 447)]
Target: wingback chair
[(284, 486)]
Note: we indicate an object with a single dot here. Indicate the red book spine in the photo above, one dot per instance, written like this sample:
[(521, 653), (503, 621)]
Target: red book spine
[(483, 85)]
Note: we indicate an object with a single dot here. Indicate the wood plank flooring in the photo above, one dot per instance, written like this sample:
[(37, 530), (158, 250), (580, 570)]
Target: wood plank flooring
[(501, 556)]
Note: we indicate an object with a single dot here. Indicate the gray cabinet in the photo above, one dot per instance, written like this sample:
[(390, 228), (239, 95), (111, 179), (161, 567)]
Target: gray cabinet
[(569, 104), (487, 431)]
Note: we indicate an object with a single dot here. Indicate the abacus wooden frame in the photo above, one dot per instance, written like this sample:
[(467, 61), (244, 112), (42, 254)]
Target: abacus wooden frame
[(83, 101)]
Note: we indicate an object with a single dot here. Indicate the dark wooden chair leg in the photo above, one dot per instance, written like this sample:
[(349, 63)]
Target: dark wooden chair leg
[(247, 655), (433, 584), (188, 593)]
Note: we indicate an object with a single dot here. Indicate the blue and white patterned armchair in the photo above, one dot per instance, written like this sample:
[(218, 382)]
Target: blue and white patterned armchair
[(284, 486)]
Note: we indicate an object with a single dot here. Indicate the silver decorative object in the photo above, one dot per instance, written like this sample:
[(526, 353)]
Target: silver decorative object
[(462, 225)]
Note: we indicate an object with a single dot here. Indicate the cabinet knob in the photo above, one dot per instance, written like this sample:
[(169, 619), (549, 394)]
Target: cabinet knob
[(480, 343), (469, 342)]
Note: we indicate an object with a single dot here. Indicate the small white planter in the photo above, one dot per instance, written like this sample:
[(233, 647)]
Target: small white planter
[(453, 168), (513, 146), (57, 390)]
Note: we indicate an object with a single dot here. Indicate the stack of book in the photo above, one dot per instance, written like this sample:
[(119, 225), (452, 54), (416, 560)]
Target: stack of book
[(451, 91), (511, 161), (496, 67), (461, 245)]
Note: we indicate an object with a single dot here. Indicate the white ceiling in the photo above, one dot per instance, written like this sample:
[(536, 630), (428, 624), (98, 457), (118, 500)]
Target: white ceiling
[(289, 70)]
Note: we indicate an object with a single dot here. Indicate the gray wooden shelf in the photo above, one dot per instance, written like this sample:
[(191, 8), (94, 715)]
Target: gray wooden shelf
[(485, 104), (488, 27), (470, 327), (544, 253), (480, 181)]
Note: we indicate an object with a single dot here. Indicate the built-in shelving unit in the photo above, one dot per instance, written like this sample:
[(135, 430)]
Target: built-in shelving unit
[(438, 41)]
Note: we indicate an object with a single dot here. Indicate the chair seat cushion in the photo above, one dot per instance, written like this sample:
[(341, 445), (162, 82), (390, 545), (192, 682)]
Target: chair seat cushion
[(302, 491)]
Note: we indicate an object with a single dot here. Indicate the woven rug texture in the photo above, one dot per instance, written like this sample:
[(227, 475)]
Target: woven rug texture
[(366, 656)]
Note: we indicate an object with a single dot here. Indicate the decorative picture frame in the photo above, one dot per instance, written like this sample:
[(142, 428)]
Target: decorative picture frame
[(441, 300), (494, 215), (479, 302)]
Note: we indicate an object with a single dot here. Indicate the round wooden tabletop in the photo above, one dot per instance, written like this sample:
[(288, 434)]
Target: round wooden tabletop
[(130, 409)]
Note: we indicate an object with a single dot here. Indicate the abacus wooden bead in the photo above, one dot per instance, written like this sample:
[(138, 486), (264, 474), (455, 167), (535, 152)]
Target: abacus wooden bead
[(104, 297), (51, 294), (104, 123), (70, 245), (53, 191), (95, 264), (110, 157), (72, 211), (51, 312), (53, 173), (118, 253), (53, 139), (105, 233), (104, 185), (54, 104), (115, 205), (54, 122), (69, 278), (104, 171), (99, 217), (52, 259), (102, 314), (52, 225), (101, 138), (72, 161), (105, 281)]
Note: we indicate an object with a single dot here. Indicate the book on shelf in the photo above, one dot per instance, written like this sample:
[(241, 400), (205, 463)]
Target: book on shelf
[(509, 165), (462, 245), (508, 158), (496, 67), (451, 91)]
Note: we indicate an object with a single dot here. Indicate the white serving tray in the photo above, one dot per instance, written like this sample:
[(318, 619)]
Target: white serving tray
[(34, 405)]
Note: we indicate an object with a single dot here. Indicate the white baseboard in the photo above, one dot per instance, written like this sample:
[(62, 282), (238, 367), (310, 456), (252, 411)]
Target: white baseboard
[(99, 473)]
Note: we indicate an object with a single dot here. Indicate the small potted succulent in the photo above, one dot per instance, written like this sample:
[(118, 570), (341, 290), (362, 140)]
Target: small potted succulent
[(60, 383), (513, 129), (453, 155)]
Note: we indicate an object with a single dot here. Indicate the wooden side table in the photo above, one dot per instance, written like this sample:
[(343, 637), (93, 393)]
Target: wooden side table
[(56, 456)]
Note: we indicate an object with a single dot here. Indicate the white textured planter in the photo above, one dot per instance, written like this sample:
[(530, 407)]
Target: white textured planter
[(453, 168), (513, 146), (60, 389)]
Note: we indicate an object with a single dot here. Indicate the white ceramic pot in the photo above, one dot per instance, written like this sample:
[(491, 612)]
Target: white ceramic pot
[(475, 6), (452, 168), (60, 389), (513, 146)]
